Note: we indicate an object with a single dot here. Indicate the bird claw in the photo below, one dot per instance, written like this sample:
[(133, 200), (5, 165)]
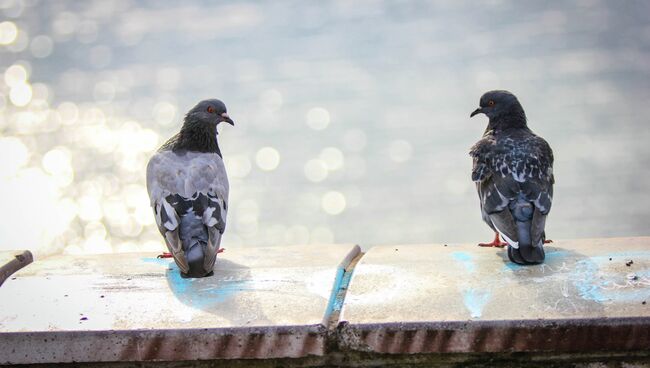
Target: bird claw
[(220, 250), (548, 241), (496, 243)]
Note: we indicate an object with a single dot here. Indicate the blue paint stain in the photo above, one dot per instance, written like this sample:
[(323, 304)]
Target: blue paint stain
[(342, 280), (199, 293), (590, 283), (584, 280), (158, 261), (465, 259), (475, 301)]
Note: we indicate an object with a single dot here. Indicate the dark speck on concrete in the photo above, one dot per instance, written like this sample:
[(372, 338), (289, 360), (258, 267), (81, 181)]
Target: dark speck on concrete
[(83, 318), (445, 245), (101, 296), (396, 249), (610, 259), (629, 263), (643, 302)]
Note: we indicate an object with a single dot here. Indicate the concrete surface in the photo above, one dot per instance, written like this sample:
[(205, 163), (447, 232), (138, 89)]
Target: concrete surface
[(261, 303), (463, 298)]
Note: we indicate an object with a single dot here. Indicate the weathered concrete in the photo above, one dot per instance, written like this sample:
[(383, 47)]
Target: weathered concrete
[(261, 303), (13, 260), (462, 298)]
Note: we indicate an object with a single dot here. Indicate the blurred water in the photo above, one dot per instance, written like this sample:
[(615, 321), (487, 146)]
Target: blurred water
[(352, 118)]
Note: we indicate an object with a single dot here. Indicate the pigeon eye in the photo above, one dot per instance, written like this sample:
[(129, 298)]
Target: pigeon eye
[(490, 103), (211, 109)]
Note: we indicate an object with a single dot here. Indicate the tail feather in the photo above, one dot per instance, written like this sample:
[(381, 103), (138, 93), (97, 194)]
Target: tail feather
[(527, 252), (194, 237)]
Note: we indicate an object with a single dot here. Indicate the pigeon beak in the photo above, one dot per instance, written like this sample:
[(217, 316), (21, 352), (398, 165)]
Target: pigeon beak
[(227, 119), (477, 111)]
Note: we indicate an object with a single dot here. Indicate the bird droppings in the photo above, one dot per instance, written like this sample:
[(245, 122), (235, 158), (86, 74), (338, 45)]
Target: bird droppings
[(629, 263), (632, 277)]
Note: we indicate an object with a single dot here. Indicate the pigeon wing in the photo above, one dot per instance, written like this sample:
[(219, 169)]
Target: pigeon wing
[(167, 218), (494, 193), (507, 169), (190, 181)]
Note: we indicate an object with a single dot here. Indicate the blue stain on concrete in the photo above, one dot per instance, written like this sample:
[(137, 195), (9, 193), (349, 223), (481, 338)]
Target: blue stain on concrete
[(158, 261), (612, 287), (475, 301), (590, 283), (584, 278), (199, 293), (465, 259), (552, 256)]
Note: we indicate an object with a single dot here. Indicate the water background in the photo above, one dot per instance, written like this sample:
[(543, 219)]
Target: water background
[(352, 118)]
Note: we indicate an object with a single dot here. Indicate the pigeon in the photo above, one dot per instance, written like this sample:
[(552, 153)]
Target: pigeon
[(513, 172), (188, 189)]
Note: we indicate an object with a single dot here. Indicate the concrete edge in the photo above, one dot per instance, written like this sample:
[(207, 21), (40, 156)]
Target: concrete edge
[(45, 347), (508, 336)]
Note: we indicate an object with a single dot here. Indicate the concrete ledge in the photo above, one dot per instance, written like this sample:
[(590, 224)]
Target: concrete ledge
[(419, 305), (526, 336), (590, 295), (261, 303)]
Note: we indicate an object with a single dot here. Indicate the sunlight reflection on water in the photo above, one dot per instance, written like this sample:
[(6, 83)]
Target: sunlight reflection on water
[(351, 121)]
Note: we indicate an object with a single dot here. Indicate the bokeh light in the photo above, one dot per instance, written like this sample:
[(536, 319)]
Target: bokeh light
[(267, 158), (330, 143), (333, 202)]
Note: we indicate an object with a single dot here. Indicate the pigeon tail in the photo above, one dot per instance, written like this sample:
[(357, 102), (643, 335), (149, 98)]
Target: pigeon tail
[(195, 259), (527, 253), (194, 237)]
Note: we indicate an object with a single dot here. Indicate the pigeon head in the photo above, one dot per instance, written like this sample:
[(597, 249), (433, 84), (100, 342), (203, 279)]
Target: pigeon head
[(199, 130), (502, 108), (211, 111)]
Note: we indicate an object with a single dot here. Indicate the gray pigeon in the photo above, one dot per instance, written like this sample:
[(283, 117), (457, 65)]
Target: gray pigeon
[(188, 189), (513, 172)]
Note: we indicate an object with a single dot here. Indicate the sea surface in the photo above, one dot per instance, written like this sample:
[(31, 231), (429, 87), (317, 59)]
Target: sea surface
[(351, 117)]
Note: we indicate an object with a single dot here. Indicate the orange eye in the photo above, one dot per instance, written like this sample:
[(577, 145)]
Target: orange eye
[(490, 103), (211, 109)]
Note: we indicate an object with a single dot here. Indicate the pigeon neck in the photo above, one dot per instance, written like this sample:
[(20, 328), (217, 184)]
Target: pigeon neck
[(514, 119), (198, 138)]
